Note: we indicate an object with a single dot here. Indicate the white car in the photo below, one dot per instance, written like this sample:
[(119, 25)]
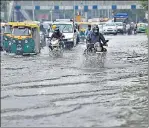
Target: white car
[(100, 28), (110, 28), (67, 28), (120, 27)]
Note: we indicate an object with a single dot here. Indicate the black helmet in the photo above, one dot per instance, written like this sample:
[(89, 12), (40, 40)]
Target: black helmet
[(56, 30), (96, 30), (89, 27)]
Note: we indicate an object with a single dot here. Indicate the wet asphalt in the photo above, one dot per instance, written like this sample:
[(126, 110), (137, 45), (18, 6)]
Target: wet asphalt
[(78, 92)]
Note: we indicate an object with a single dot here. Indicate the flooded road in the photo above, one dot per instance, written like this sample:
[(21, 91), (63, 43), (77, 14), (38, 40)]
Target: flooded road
[(71, 91)]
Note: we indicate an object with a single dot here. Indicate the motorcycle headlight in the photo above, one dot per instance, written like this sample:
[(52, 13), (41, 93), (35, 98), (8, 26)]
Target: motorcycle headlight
[(26, 41), (5, 38), (9, 43)]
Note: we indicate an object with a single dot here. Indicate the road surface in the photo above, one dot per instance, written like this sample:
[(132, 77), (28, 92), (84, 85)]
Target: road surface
[(75, 92)]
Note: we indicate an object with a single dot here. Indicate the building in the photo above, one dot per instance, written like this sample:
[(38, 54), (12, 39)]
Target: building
[(64, 9)]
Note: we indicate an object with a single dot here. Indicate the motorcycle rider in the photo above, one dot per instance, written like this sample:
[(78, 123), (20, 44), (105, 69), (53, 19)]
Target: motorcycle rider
[(132, 26), (57, 34), (135, 29), (96, 36), (128, 27)]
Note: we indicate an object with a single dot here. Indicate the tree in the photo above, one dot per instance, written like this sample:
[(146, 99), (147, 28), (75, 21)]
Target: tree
[(144, 4), (3, 5)]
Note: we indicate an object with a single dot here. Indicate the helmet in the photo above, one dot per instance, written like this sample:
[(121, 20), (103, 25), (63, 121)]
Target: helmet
[(96, 30), (53, 27), (89, 27), (56, 30)]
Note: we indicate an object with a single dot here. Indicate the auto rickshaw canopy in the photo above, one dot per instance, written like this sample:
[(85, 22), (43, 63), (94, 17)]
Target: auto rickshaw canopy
[(83, 25), (26, 24)]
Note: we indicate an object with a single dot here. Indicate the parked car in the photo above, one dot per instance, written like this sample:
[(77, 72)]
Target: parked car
[(110, 28)]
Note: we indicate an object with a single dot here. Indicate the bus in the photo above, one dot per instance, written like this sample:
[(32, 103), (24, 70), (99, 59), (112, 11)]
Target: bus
[(121, 17)]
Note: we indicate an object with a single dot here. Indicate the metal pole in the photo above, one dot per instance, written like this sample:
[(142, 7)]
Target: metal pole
[(81, 8), (33, 10), (63, 10), (51, 11), (74, 10), (51, 15), (108, 13), (64, 13), (136, 17)]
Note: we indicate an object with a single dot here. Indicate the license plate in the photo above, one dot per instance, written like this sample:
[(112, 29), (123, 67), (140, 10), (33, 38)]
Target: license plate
[(99, 49)]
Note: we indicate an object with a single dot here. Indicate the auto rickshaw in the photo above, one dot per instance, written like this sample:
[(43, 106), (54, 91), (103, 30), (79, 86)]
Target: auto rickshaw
[(25, 39), (7, 35), (1, 36), (82, 27), (141, 27)]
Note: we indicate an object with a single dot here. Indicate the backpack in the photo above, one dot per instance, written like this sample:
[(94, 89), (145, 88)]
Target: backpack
[(91, 36)]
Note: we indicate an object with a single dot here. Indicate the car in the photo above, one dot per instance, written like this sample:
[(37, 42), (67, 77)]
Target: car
[(101, 25), (110, 28), (70, 33), (121, 27)]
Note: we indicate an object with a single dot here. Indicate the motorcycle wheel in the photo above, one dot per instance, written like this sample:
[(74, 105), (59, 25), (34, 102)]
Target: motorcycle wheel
[(50, 52), (61, 51)]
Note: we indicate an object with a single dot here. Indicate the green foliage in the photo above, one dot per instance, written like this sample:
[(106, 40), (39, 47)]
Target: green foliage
[(146, 31), (3, 5), (144, 4)]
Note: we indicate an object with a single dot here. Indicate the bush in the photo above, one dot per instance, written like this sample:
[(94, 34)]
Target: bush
[(146, 31)]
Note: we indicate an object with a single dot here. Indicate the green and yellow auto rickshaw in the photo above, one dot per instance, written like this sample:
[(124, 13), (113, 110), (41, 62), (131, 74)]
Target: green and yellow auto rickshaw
[(1, 35), (25, 38), (83, 26), (141, 28), (7, 35)]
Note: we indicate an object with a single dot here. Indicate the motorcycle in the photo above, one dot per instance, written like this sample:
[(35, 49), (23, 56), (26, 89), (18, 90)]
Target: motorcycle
[(55, 47), (82, 38), (135, 31), (95, 49)]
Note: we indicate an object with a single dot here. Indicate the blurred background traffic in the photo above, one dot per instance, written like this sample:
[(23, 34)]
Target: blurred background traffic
[(52, 10), (112, 17)]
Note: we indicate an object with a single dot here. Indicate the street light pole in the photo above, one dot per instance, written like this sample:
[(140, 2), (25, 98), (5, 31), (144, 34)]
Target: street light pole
[(74, 10), (33, 10), (81, 8), (52, 11)]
